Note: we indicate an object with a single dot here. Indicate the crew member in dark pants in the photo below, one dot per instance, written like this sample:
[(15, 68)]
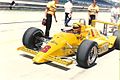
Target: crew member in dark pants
[(50, 11), (93, 10), (48, 24)]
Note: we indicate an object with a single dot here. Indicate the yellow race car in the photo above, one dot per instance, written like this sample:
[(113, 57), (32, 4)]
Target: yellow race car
[(86, 44)]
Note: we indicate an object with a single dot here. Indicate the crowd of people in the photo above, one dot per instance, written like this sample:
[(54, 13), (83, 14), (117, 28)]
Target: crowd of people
[(93, 11)]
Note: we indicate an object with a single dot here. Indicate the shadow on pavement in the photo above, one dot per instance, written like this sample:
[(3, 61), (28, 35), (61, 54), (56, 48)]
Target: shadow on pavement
[(27, 56), (48, 63), (58, 66)]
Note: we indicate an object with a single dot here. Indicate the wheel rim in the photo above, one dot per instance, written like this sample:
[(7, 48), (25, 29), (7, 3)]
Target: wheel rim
[(37, 40), (92, 56)]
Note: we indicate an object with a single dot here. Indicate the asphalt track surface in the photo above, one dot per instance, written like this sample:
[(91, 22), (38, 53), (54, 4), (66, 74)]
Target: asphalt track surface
[(18, 65)]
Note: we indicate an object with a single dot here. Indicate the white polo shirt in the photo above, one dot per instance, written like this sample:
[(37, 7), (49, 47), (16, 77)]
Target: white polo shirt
[(114, 11), (68, 7)]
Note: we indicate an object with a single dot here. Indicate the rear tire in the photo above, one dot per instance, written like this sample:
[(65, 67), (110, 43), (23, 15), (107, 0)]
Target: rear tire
[(117, 42), (87, 54), (33, 38)]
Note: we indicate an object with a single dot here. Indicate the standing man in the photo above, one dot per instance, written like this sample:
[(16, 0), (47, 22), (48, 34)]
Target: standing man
[(93, 10), (68, 12), (49, 12), (114, 16), (119, 12), (119, 19)]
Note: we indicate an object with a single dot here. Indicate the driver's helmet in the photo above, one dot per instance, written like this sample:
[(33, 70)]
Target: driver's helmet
[(76, 27)]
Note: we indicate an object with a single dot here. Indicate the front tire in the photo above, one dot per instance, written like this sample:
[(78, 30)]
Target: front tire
[(87, 54), (33, 38)]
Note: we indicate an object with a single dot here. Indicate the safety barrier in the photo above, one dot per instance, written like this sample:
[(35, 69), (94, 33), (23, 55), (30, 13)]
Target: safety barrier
[(25, 5)]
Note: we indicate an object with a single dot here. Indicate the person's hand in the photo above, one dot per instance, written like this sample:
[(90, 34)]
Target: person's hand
[(88, 17), (56, 20), (70, 15)]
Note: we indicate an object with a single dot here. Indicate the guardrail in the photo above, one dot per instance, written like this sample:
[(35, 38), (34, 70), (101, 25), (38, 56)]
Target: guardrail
[(25, 5)]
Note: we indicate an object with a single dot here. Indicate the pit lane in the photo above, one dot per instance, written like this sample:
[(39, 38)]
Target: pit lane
[(17, 65)]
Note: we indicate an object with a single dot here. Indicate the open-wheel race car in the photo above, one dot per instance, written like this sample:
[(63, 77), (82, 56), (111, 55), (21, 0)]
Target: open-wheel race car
[(85, 45)]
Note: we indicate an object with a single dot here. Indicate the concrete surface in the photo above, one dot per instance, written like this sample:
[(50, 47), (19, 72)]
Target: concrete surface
[(18, 65)]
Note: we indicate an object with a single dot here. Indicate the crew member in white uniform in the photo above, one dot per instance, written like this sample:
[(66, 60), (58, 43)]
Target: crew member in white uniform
[(68, 12)]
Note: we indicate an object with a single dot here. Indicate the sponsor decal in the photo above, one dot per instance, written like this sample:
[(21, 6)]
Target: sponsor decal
[(103, 48), (45, 49)]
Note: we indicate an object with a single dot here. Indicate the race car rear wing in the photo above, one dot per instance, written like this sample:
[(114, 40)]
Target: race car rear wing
[(105, 25)]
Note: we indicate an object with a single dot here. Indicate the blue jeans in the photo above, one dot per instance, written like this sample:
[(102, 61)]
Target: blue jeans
[(67, 19)]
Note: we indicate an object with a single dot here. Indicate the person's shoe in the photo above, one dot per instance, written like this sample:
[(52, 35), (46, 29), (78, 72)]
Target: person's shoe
[(66, 25), (62, 30)]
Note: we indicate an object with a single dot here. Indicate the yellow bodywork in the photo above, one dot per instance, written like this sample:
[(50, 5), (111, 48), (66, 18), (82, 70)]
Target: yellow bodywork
[(64, 44)]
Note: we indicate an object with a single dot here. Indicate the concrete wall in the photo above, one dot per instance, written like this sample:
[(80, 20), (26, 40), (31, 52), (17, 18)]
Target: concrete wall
[(25, 5)]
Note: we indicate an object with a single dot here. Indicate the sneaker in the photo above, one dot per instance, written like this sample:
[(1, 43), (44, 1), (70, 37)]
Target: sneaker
[(66, 25)]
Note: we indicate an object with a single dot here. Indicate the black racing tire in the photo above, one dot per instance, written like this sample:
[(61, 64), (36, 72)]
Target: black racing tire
[(117, 42), (32, 38), (87, 50)]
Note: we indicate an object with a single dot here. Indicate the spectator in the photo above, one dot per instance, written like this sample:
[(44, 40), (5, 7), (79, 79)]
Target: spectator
[(68, 12), (93, 10), (12, 4), (49, 12)]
